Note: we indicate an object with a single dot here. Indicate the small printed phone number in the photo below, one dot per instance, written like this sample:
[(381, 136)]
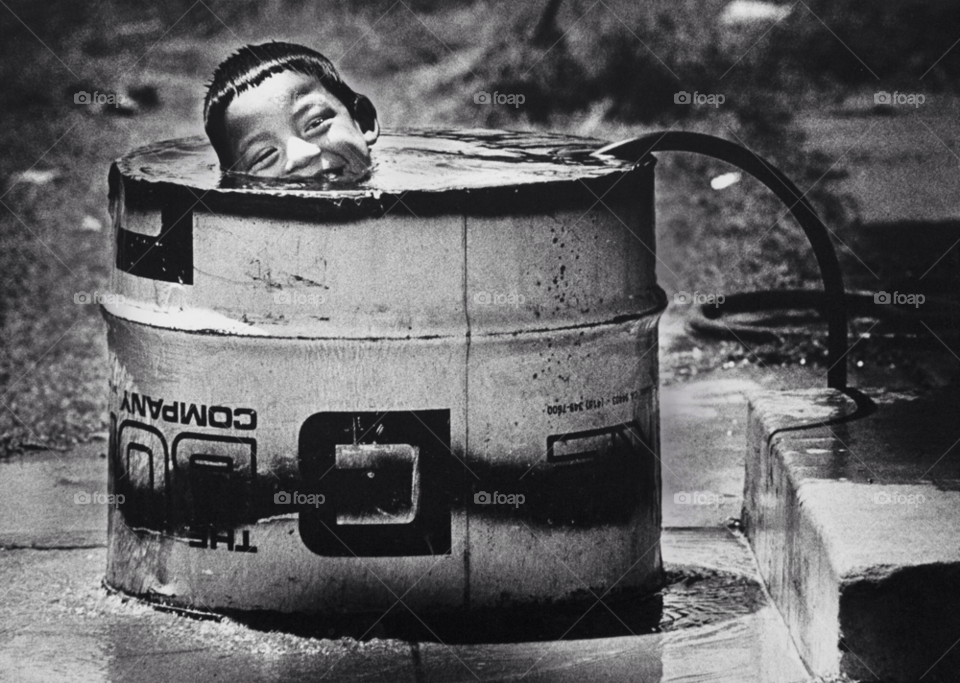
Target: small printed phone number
[(584, 405)]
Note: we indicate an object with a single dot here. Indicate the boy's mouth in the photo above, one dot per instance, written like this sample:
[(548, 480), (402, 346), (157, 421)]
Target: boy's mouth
[(341, 168), (334, 172), (333, 166)]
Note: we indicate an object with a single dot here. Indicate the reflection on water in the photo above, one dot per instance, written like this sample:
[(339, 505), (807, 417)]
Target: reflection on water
[(755, 648), (693, 597), (431, 160)]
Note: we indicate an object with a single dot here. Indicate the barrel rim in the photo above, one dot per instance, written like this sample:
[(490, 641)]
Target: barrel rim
[(578, 166)]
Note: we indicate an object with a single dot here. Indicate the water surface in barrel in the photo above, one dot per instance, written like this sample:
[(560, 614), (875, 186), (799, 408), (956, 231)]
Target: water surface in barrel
[(403, 160)]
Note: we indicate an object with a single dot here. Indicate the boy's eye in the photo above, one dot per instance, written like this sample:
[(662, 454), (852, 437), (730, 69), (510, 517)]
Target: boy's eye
[(315, 123), (317, 119), (262, 157)]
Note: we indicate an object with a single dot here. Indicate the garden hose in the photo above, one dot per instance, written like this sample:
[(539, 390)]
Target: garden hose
[(832, 300)]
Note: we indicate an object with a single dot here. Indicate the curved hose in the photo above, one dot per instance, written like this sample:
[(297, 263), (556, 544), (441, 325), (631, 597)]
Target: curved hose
[(741, 157)]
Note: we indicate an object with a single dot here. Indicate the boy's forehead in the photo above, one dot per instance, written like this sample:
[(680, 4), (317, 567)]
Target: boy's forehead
[(276, 92)]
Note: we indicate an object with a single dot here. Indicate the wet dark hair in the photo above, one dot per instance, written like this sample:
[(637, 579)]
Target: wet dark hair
[(251, 65)]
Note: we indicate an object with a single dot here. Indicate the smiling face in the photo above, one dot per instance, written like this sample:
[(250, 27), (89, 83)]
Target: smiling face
[(290, 126)]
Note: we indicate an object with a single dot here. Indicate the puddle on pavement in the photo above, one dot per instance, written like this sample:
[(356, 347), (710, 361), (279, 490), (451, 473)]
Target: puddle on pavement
[(716, 625), (693, 597)]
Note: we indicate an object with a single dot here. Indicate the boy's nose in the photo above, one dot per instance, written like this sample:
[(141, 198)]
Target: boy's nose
[(300, 153)]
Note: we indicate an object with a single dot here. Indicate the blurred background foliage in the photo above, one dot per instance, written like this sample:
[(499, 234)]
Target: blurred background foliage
[(604, 68)]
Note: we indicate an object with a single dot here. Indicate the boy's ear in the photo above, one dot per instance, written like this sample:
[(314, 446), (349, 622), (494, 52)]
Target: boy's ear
[(365, 115)]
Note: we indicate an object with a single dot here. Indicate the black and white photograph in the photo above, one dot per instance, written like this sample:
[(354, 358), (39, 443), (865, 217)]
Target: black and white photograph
[(459, 341)]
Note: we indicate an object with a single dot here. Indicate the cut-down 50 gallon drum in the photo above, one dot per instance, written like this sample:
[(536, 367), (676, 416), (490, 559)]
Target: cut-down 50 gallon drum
[(439, 384)]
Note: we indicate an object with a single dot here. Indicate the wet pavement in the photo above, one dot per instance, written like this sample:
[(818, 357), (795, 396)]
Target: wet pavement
[(61, 625), (717, 622)]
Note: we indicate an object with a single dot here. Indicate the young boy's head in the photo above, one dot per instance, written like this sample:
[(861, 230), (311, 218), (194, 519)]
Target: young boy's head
[(282, 110)]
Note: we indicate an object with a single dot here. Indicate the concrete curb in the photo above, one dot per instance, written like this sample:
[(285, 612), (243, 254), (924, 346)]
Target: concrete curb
[(858, 538)]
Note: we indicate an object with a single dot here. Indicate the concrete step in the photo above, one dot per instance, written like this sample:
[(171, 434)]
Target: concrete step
[(856, 528)]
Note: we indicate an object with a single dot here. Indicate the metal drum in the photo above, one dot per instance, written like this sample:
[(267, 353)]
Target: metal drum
[(438, 385)]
